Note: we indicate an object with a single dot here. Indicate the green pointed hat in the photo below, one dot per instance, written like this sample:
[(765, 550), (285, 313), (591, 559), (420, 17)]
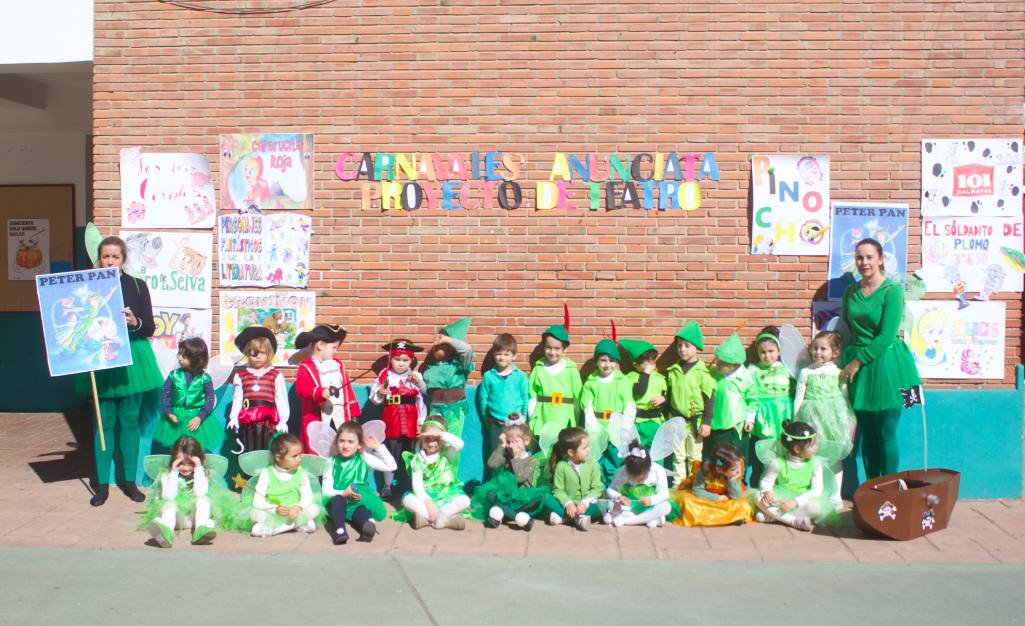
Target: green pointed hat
[(608, 348), (458, 330), (636, 347), (559, 332), (731, 351), (691, 332)]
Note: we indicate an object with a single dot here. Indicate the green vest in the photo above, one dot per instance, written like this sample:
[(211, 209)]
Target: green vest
[(284, 492), (795, 480), (656, 387), (188, 396), (688, 391), (351, 471)]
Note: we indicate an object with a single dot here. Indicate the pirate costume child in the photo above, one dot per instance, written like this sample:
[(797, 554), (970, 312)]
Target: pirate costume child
[(400, 390), (259, 406), (322, 383)]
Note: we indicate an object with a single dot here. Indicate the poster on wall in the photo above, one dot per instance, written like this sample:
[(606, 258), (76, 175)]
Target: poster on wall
[(263, 250), (790, 204), (854, 221), (286, 313), (176, 266), (266, 172), (981, 254), (83, 318), (971, 177), (174, 325), (948, 341), (28, 248), (166, 190)]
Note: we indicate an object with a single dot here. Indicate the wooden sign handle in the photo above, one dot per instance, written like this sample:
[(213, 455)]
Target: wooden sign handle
[(96, 405)]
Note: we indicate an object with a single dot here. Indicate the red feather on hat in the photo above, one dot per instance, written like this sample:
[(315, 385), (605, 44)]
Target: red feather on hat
[(565, 316), (613, 322)]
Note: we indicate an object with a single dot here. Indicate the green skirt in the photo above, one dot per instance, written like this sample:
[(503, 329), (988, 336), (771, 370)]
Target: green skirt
[(223, 504), (770, 413), (210, 433), (504, 492), (120, 382), (877, 385)]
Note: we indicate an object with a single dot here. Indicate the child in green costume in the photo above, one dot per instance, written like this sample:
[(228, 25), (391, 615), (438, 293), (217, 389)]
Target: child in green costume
[(437, 497), (606, 391), (283, 498), (773, 394), (649, 389), (347, 495), (732, 414), (187, 401), (554, 383), (691, 392), (576, 481), (449, 362)]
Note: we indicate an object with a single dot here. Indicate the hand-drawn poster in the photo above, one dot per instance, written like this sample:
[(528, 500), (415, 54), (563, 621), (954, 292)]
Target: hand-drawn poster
[(83, 319), (172, 326), (264, 250), (267, 172), (166, 190), (176, 266), (790, 204), (971, 177), (854, 221), (952, 342), (286, 313), (977, 254), (28, 248)]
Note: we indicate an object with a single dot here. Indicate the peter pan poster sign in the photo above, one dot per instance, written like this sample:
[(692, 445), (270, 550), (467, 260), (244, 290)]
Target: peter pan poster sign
[(454, 181)]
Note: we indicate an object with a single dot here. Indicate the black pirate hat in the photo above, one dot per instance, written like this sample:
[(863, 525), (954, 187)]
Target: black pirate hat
[(324, 332), (254, 332)]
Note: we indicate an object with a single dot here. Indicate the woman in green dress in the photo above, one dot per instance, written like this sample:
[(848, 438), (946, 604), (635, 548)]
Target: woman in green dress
[(877, 363)]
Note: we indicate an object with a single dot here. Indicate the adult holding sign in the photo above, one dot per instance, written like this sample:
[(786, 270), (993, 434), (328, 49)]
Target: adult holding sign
[(877, 363), (121, 389)]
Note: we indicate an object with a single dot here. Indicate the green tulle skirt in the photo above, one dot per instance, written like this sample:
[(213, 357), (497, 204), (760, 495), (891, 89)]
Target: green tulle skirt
[(119, 382), (242, 517), (210, 433), (877, 385), (674, 508), (504, 492), (223, 504), (770, 413)]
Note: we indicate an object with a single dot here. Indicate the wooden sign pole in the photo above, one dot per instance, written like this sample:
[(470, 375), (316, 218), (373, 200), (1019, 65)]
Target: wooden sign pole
[(96, 405)]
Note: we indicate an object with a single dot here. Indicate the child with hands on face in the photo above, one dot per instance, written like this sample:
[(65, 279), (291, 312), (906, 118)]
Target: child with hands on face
[(449, 362), (715, 495), (437, 497), (345, 484), (510, 495)]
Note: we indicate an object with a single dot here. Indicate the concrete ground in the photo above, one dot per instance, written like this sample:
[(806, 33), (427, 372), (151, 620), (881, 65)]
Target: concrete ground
[(66, 561)]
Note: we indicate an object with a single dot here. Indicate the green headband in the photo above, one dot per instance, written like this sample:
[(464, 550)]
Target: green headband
[(433, 423), (799, 437), (770, 337)]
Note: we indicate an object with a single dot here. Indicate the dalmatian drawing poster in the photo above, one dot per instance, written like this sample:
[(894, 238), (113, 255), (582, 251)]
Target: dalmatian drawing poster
[(962, 177), (176, 266), (263, 250)]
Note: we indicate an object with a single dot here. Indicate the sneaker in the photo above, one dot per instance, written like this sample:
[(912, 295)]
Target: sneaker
[(491, 522), (161, 534), (419, 521), (582, 522), (760, 517), (309, 527), (369, 530), (616, 522), (203, 535), (259, 530), (803, 523), (553, 519), (456, 522), (341, 537), (606, 519), (441, 521), (652, 523), (528, 525)]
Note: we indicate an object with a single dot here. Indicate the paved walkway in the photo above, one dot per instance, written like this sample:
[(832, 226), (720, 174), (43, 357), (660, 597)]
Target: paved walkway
[(45, 505)]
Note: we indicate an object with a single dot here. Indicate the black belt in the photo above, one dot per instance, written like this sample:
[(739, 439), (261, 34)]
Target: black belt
[(401, 400), (647, 414), (556, 399), (252, 404)]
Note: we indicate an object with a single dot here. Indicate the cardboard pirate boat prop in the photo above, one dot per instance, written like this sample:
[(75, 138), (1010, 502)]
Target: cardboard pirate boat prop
[(907, 505)]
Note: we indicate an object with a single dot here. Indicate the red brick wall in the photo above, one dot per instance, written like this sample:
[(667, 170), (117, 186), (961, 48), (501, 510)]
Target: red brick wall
[(863, 83)]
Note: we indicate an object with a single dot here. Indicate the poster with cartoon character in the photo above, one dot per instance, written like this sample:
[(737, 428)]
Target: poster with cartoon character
[(266, 172), (166, 190), (790, 204), (177, 266), (971, 177), (264, 250), (286, 313), (28, 248), (962, 256), (174, 325), (854, 221), (84, 326), (951, 342)]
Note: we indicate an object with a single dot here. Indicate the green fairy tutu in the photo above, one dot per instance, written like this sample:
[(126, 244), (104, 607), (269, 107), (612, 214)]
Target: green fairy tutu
[(504, 492), (826, 506), (455, 415), (646, 429), (141, 376), (241, 518), (832, 419), (223, 504), (368, 499), (770, 414), (210, 433), (877, 385)]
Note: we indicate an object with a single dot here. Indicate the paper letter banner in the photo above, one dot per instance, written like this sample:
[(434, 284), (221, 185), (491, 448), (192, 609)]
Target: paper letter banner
[(28, 248), (172, 326), (287, 313), (982, 254), (271, 250), (166, 190), (951, 342), (854, 221), (790, 204), (267, 172), (83, 319), (176, 266), (971, 177)]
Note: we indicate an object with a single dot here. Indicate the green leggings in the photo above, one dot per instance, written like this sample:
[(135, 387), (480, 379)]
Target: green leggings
[(122, 413), (879, 450)]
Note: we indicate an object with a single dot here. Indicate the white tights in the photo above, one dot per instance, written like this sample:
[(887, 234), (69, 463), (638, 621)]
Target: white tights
[(169, 515), (629, 518), (808, 511), (416, 506), (264, 529)]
